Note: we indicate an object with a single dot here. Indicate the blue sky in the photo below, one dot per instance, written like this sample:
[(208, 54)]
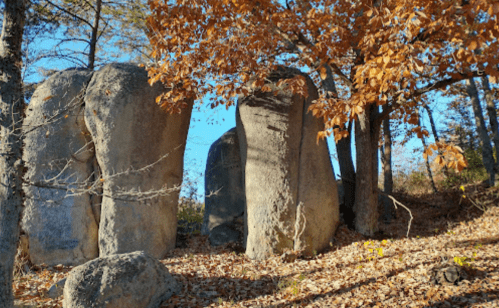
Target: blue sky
[(207, 125)]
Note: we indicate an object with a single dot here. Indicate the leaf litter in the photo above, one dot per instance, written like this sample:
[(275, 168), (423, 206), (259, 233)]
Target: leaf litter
[(388, 270)]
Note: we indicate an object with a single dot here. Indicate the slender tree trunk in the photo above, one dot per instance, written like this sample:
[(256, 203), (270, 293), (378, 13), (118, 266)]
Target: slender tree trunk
[(432, 123), (435, 133), (95, 32), (387, 170), (428, 166), (344, 150), (348, 177), (11, 115), (488, 158), (366, 189), (491, 111)]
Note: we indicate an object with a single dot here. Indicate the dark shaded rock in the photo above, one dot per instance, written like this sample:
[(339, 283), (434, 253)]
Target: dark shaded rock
[(224, 200), (223, 234), (347, 214), (447, 275)]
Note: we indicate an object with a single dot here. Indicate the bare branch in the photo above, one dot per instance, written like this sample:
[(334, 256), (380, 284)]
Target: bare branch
[(340, 74), (428, 88), (62, 181), (69, 13), (395, 203)]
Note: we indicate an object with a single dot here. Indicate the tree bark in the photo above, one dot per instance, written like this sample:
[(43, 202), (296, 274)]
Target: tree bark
[(93, 40), (428, 166), (491, 111), (344, 150), (488, 158), (11, 115), (348, 177), (435, 133), (366, 189), (432, 123), (387, 170)]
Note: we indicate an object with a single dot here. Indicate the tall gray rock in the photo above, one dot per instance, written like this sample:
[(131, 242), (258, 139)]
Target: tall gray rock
[(291, 194), (224, 200), (122, 280), (140, 150), (58, 153)]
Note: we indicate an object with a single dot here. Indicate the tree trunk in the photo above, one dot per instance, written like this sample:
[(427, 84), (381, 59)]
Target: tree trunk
[(428, 166), (435, 133), (432, 123), (348, 177), (344, 150), (95, 31), (387, 170), (488, 158), (11, 115), (366, 189), (491, 111)]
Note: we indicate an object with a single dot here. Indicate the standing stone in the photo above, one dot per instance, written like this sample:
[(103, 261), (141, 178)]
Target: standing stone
[(224, 200), (291, 194), (119, 281), (58, 155), (140, 150)]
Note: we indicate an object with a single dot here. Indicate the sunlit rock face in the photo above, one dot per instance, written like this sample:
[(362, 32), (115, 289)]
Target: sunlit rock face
[(133, 279), (291, 194), (140, 152), (59, 219), (104, 165)]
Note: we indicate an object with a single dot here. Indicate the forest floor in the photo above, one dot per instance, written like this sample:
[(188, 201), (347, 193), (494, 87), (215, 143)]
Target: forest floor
[(390, 270)]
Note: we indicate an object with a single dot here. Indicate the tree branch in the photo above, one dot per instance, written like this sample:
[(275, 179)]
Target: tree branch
[(69, 13), (395, 203), (340, 74), (428, 88)]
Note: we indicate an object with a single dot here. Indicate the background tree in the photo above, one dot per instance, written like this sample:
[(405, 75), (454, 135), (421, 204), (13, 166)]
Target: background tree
[(492, 113), (459, 126), (85, 34), (11, 113), (427, 159), (25, 25), (468, 123), (386, 160), (434, 130), (377, 51), (486, 148)]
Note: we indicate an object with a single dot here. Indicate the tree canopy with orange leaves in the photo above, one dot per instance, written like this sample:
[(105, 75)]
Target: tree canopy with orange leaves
[(362, 54)]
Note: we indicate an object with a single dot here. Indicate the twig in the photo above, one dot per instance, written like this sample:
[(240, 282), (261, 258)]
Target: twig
[(395, 203), (474, 204), (73, 186)]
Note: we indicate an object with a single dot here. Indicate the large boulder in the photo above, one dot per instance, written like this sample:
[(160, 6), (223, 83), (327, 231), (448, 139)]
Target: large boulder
[(119, 281), (224, 199), (291, 194), (58, 153), (140, 150)]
